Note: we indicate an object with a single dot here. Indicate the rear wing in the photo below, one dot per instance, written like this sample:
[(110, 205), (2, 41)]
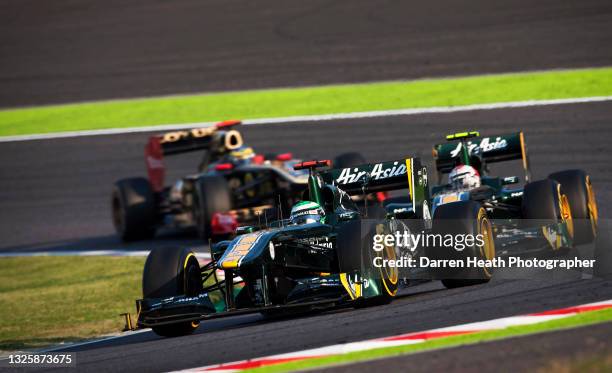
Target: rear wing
[(492, 149), (406, 173), (217, 139)]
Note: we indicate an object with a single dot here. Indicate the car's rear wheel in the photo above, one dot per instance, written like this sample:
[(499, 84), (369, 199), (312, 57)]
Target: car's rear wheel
[(211, 195), (134, 209), (577, 187), (464, 218), (169, 272)]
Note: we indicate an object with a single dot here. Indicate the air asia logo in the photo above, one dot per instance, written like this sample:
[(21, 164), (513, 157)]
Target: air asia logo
[(485, 146), (349, 176)]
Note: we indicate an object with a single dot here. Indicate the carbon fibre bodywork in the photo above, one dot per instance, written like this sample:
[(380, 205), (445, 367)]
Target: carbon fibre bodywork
[(515, 231), (284, 267)]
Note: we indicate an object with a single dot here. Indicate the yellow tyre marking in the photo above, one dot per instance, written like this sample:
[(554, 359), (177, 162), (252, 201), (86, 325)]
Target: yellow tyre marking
[(185, 269), (194, 324), (488, 249), (391, 293), (566, 214), (187, 259), (391, 274), (592, 205)]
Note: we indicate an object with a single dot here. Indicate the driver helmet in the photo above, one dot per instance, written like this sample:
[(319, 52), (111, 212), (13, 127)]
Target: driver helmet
[(243, 154), (306, 212), (464, 177)]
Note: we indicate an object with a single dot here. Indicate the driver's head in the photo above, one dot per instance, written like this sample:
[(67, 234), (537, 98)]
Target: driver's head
[(306, 212), (464, 177), (243, 154)]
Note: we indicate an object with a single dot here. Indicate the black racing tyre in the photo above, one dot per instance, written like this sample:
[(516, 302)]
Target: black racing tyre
[(464, 218), (356, 256), (386, 278), (544, 202), (211, 195), (172, 271), (576, 185), (541, 201), (350, 159), (134, 209), (348, 246)]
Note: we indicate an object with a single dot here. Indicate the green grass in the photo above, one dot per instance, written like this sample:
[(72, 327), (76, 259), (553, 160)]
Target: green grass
[(47, 300), (307, 101), (564, 323)]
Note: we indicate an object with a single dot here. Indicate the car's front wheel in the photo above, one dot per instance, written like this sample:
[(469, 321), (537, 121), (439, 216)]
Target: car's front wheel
[(168, 272)]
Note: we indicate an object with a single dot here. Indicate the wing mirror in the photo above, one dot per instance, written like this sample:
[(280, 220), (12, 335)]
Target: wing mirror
[(245, 229)]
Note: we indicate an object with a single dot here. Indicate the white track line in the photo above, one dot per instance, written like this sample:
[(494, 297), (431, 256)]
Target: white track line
[(315, 118), (137, 253)]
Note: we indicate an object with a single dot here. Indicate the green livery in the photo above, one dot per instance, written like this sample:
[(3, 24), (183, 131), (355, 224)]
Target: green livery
[(281, 267), (463, 146), (553, 213)]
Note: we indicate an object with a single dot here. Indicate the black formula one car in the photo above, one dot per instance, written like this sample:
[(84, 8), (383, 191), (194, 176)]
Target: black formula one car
[(555, 213), (318, 258), (232, 186)]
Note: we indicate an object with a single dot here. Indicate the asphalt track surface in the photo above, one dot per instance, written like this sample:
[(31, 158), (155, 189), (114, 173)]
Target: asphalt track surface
[(55, 194), (76, 50)]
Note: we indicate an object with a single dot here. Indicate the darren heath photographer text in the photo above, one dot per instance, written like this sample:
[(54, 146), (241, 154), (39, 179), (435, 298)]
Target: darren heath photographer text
[(459, 242), (509, 262)]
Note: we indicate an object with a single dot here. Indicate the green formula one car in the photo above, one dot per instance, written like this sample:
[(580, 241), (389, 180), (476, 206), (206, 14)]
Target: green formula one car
[(317, 258), (555, 213)]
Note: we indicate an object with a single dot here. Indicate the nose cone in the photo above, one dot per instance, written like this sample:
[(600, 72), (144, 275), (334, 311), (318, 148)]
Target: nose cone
[(239, 249)]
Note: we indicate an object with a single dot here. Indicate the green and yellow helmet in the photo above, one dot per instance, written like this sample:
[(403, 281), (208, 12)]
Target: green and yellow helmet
[(242, 154), (306, 212)]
